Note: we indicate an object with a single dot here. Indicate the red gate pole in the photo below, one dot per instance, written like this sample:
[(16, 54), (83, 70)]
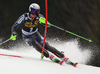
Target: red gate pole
[(46, 14)]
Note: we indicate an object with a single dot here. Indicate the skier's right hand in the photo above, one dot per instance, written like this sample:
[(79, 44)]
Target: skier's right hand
[(14, 36)]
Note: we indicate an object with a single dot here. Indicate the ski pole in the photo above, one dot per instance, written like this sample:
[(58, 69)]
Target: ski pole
[(42, 20), (71, 33), (13, 37), (5, 41)]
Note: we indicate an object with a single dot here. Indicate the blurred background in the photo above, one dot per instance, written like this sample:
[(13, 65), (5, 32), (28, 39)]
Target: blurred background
[(78, 16)]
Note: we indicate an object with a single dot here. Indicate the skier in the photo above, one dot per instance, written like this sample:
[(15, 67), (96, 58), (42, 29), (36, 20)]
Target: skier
[(29, 26)]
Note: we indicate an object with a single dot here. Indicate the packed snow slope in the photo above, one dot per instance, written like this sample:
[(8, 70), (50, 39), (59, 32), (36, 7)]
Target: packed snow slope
[(23, 59)]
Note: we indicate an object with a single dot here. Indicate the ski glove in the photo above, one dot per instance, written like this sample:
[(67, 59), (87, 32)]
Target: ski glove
[(43, 21), (14, 36)]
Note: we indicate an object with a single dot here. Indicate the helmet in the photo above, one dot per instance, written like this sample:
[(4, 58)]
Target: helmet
[(34, 8)]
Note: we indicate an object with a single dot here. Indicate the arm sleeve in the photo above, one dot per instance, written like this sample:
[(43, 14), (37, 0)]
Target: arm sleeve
[(18, 23)]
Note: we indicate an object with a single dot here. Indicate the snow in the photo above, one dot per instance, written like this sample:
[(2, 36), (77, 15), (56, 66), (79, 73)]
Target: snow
[(30, 63)]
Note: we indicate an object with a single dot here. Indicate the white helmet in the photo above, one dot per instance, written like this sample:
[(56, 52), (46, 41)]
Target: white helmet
[(34, 8)]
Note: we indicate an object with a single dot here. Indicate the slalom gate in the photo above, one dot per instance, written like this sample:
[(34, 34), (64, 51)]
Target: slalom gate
[(46, 14)]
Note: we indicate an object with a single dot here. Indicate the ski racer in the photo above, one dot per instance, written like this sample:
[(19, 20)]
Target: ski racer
[(29, 27)]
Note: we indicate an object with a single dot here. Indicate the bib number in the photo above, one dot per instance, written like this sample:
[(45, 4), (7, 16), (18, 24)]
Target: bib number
[(31, 29)]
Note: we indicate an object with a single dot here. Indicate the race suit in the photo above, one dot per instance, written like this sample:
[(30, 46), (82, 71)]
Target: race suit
[(30, 34)]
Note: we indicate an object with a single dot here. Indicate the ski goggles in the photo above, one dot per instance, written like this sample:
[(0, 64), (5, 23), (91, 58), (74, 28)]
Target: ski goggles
[(34, 11)]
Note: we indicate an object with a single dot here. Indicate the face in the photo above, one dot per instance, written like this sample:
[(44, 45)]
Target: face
[(33, 15)]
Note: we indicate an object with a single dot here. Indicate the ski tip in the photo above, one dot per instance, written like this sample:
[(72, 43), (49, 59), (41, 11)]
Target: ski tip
[(75, 64), (90, 40)]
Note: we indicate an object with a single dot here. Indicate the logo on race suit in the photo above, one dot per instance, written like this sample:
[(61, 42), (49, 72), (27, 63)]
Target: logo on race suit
[(30, 24)]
